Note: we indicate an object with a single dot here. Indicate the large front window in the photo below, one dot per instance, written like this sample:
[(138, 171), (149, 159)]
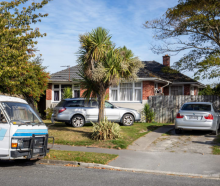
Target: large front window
[(20, 113), (58, 90), (176, 90), (126, 92)]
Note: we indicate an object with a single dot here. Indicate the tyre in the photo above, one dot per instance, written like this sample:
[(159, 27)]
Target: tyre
[(78, 121), (68, 124), (177, 131), (127, 120)]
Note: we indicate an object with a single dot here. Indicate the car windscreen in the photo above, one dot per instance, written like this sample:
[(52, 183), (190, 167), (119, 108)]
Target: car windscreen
[(196, 107), (20, 113)]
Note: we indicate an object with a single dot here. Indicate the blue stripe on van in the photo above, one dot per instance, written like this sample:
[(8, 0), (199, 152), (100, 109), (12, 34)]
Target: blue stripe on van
[(2, 133), (29, 132)]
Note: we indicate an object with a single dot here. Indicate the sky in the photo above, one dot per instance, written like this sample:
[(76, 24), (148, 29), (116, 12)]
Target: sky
[(123, 18)]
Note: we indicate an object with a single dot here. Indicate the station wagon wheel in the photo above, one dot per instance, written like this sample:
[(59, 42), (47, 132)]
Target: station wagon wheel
[(127, 120), (78, 121)]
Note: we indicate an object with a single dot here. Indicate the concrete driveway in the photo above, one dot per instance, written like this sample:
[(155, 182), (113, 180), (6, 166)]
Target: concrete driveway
[(189, 142)]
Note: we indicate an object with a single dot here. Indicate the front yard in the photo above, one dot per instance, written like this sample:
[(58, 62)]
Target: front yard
[(66, 135)]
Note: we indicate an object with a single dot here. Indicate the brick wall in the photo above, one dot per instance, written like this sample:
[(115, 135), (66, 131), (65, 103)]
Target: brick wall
[(186, 89), (49, 92), (148, 89), (166, 91)]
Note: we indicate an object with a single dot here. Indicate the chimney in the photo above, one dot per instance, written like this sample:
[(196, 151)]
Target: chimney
[(166, 60)]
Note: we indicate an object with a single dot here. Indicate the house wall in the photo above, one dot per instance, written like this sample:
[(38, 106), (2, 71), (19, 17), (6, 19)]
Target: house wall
[(186, 89), (49, 95), (196, 91), (147, 89)]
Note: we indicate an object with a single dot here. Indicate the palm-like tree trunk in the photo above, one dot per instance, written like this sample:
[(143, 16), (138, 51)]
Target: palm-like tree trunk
[(101, 100)]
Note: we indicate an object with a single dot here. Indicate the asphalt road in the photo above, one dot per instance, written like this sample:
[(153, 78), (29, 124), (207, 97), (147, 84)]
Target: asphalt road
[(13, 174)]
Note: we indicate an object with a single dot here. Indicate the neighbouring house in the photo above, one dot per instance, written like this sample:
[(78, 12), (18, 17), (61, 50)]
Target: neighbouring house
[(154, 79)]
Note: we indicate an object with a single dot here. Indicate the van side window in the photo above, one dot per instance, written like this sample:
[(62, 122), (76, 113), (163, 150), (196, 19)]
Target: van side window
[(2, 117)]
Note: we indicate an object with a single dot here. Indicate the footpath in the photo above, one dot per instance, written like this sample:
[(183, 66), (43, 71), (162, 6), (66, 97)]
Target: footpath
[(138, 158)]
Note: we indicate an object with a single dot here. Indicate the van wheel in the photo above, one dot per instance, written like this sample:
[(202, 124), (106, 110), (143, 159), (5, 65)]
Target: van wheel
[(78, 121), (177, 131), (127, 120)]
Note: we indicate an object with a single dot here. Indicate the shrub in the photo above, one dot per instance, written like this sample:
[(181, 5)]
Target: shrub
[(49, 112), (105, 130), (67, 93), (148, 113)]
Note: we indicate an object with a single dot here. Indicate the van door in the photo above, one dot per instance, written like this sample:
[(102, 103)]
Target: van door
[(4, 135)]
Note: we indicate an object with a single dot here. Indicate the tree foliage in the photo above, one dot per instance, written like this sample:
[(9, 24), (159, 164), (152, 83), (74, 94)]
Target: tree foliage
[(18, 74), (67, 93), (102, 65), (194, 26)]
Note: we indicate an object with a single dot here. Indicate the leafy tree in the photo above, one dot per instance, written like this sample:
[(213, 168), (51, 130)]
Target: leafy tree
[(67, 93), (191, 25), (103, 65), (17, 43), (148, 113), (206, 91)]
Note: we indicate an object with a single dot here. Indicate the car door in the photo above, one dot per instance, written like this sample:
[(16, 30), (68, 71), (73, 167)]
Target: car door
[(4, 135), (92, 111), (111, 112)]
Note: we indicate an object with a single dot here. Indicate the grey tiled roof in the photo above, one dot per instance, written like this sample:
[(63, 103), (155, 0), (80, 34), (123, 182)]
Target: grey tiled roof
[(152, 69), (158, 70), (63, 75)]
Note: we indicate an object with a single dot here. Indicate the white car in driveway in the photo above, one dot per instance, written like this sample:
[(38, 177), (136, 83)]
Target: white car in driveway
[(197, 116)]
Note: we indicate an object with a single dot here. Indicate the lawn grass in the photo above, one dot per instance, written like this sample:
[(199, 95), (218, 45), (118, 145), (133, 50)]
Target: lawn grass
[(216, 148), (87, 157), (82, 136)]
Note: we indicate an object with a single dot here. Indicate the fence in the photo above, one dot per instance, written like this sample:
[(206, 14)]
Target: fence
[(166, 107)]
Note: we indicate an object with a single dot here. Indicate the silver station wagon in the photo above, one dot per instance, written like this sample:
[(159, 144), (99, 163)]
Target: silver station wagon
[(197, 116), (78, 111)]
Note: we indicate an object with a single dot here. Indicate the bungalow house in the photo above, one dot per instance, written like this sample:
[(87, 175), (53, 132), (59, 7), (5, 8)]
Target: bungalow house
[(154, 79)]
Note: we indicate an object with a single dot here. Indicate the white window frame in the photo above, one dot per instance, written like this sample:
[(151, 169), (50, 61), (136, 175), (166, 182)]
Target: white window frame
[(56, 89), (133, 92), (73, 89), (176, 86)]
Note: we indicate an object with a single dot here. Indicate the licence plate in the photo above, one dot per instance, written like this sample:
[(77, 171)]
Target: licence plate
[(36, 150), (193, 117)]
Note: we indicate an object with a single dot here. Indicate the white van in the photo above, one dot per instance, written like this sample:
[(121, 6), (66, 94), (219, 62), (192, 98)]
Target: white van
[(23, 135)]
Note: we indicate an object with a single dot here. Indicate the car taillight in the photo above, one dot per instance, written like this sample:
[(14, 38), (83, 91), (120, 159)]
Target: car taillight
[(62, 109), (179, 116), (210, 116)]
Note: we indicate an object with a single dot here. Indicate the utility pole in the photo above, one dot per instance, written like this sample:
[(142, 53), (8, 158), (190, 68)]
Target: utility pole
[(69, 70)]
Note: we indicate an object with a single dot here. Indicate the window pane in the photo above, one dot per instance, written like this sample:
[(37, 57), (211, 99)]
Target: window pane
[(93, 103), (76, 93), (129, 85), (123, 85), (56, 96), (137, 96), (176, 90), (56, 86), (114, 95), (138, 84), (122, 94), (65, 86), (198, 107), (129, 94), (108, 105), (76, 86), (75, 103)]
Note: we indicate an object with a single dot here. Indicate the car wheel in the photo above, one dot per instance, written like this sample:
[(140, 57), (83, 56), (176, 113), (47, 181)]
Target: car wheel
[(177, 131), (127, 120), (78, 121), (68, 124)]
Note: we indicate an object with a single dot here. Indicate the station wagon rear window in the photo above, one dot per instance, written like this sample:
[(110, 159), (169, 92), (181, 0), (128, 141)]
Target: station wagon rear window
[(197, 107)]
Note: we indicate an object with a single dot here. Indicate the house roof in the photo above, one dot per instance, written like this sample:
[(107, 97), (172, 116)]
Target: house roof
[(152, 69), (165, 72), (63, 75)]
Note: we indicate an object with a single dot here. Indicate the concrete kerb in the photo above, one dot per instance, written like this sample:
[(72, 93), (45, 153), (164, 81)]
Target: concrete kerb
[(108, 167)]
